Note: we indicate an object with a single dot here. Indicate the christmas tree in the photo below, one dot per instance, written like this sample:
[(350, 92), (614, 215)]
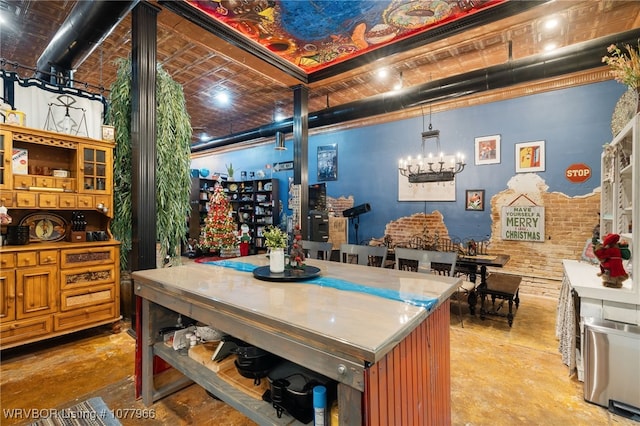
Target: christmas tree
[(219, 231)]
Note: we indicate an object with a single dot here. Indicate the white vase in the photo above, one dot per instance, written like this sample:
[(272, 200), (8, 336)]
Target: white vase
[(276, 260)]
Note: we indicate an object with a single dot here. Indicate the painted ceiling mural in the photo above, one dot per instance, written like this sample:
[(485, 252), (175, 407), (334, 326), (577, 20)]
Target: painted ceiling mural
[(314, 34)]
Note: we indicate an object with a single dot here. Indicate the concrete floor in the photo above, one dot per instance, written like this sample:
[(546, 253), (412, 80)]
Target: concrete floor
[(500, 376)]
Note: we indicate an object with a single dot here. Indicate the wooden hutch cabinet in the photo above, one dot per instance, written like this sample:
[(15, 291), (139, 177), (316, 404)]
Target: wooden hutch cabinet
[(63, 279)]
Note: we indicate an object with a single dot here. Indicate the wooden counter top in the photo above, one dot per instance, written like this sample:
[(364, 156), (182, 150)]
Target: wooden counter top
[(357, 326)]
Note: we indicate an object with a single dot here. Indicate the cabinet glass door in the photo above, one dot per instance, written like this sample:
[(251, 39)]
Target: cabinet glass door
[(95, 174)]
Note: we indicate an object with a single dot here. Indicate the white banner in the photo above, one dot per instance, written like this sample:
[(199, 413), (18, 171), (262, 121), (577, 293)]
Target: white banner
[(58, 109)]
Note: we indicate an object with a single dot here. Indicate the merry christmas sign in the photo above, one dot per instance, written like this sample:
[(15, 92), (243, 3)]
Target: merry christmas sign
[(522, 223)]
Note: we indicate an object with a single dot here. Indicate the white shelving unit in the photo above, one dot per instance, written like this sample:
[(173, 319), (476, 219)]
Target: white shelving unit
[(620, 200), (619, 209)]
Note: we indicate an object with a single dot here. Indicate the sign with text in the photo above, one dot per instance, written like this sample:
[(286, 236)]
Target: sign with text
[(578, 173), (285, 165), (522, 223)]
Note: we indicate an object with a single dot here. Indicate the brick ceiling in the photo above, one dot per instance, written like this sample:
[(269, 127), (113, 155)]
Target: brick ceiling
[(204, 64)]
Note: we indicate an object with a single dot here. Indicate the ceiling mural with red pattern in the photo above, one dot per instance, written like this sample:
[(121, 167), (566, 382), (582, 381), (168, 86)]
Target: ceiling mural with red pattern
[(315, 34)]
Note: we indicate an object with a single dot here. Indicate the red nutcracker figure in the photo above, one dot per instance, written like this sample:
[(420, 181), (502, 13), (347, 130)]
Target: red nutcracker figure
[(611, 268)]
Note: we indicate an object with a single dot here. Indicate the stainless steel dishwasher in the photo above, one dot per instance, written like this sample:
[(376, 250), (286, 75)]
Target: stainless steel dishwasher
[(612, 366)]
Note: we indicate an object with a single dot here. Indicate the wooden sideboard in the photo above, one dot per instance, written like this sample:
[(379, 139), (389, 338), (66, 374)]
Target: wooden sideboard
[(48, 290), (60, 281), (365, 342)]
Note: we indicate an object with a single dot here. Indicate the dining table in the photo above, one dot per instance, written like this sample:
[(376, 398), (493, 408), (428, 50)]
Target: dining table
[(475, 265)]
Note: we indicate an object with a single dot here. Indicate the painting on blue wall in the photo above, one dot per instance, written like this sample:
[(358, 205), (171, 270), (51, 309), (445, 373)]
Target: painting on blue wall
[(487, 150), (474, 199), (530, 157), (328, 162)]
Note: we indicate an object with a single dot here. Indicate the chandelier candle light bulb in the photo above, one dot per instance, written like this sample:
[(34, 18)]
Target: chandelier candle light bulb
[(418, 173)]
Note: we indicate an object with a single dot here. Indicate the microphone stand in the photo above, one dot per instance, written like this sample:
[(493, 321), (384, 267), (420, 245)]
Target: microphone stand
[(356, 223)]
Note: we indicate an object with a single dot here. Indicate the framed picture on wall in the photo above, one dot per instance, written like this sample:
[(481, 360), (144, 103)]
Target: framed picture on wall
[(328, 162), (487, 150), (474, 199), (108, 133), (530, 157)]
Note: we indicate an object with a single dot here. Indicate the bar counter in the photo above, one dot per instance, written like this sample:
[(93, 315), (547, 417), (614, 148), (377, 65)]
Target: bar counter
[(389, 357)]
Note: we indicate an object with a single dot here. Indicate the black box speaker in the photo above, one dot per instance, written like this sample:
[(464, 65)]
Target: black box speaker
[(318, 226)]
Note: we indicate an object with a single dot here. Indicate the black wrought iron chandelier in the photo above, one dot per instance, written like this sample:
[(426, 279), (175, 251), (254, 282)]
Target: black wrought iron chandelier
[(424, 169)]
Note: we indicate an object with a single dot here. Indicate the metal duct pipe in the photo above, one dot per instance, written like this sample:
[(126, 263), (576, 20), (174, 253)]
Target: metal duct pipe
[(567, 60), (86, 27)]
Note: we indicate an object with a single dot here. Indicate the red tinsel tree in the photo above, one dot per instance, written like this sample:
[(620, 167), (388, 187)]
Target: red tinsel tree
[(219, 231)]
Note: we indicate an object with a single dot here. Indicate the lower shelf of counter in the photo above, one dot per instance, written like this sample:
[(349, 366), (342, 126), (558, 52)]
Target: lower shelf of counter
[(259, 411)]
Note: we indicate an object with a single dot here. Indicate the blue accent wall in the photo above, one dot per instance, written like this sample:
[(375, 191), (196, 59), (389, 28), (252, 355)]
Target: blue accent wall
[(574, 123)]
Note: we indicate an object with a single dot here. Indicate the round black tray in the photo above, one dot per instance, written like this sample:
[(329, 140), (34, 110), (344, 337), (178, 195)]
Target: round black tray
[(264, 273)]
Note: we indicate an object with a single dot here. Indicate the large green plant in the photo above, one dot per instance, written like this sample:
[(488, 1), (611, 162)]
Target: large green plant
[(173, 149)]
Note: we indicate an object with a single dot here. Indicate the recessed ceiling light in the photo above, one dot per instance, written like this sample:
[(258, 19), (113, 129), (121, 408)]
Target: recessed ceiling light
[(223, 98), (551, 24), (382, 73)]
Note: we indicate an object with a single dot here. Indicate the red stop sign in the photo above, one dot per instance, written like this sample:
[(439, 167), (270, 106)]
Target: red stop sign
[(577, 173)]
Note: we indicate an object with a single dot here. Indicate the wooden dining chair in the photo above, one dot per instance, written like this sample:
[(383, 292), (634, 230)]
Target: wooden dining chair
[(433, 262), (442, 262), (317, 249), (363, 255), (415, 260)]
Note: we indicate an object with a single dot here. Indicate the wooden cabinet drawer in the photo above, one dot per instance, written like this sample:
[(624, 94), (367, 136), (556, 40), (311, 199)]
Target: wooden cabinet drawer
[(27, 258), (48, 257), (82, 277), (85, 202), (7, 260), (7, 198), (67, 184), (84, 317), (74, 258), (17, 331), (47, 201), (44, 182), (32, 258), (22, 181), (67, 201), (103, 203), (81, 298), (25, 199)]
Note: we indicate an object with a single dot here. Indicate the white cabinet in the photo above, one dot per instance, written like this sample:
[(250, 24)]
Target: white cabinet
[(619, 206), (620, 202)]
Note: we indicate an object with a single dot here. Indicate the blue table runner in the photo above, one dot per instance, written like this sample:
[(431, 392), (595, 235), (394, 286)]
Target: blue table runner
[(338, 284)]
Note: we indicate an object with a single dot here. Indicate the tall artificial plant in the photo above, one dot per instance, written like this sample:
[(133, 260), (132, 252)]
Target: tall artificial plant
[(173, 149)]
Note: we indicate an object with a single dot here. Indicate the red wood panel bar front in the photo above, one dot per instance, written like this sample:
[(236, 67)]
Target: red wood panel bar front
[(411, 385)]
